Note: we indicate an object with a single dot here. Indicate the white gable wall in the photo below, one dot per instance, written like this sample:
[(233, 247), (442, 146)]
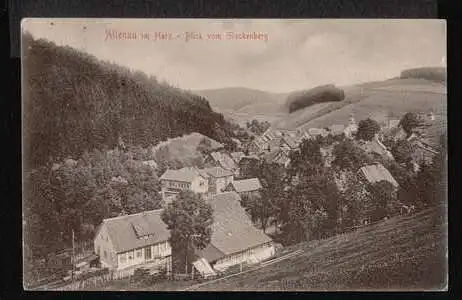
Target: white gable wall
[(249, 256), (104, 248), (143, 255), (199, 185)]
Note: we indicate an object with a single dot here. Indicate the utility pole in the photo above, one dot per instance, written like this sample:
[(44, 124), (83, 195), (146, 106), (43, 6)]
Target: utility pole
[(73, 256)]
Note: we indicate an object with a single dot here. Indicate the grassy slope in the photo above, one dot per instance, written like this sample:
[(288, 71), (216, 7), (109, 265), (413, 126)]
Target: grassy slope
[(402, 253), (377, 99), (237, 98), (243, 104), (184, 148)]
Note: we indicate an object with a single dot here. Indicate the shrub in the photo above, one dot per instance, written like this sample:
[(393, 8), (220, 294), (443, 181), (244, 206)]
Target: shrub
[(319, 94), (410, 122), (433, 74), (367, 129)]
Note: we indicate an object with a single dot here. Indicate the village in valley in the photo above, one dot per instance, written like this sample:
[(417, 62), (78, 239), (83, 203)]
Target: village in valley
[(140, 241), (133, 183)]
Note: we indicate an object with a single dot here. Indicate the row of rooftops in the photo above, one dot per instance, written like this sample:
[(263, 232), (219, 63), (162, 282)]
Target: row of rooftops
[(232, 229), (189, 174)]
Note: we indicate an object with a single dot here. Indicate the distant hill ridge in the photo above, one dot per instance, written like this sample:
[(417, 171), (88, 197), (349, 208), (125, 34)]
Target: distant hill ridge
[(240, 98)]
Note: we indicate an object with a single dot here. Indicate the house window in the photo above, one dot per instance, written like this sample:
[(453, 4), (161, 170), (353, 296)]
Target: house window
[(147, 253), (123, 258), (105, 254), (99, 251), (139, 253), (130, 255)]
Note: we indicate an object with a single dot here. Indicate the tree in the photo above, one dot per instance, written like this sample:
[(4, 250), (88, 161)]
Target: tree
[(402, 152), (258, 128), (189, 218), (204, 146), (348, 156), (356, 204), (264, 207), (367, 129), (407, 184), (305, 214), (307, 160), (431, 183), (382, 196), (259, 208), (409, 122)]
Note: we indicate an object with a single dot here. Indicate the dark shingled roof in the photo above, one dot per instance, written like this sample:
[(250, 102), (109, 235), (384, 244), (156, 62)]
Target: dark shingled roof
[(211, 253), (233, 231), (224, 160), (187, 174), (247, 185), (290, 141), (124, 230), (236, 156), (218, 172), (376, 173), (276, 156)]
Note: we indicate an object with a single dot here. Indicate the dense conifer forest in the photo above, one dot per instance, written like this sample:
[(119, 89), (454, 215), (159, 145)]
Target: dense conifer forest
[(74, 102)]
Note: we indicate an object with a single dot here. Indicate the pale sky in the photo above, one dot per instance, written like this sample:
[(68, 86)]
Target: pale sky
[(298, 54)]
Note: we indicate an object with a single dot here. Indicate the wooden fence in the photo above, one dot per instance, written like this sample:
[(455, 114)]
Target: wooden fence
[(101, 279), (97, 281)]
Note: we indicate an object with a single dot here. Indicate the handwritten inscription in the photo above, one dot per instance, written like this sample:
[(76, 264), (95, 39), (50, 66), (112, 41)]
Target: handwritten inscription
[(188, 36)]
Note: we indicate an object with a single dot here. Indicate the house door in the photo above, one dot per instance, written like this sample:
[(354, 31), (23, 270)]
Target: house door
[(147, 253)]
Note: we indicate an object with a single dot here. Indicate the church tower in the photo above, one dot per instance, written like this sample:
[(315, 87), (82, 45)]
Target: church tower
[(352, 120)]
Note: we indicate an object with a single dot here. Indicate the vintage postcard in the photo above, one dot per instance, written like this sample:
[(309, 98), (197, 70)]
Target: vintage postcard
[(234, 155)]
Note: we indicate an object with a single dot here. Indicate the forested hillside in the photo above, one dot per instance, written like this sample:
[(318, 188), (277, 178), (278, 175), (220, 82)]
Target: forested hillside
[(320, 94), (74, 102)]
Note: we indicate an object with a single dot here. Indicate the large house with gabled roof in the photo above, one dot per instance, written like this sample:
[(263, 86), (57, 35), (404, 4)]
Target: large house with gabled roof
[(219, 179), (245, 187), (223, 160), (235, 239), (188, 178), (129, 241)]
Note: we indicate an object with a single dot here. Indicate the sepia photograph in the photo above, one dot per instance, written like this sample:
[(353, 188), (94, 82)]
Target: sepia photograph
[(234, 154)]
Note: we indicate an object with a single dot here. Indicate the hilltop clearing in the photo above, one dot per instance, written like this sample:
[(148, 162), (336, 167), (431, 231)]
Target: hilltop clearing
[(183, 149), (380, 100), (391, 98)]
